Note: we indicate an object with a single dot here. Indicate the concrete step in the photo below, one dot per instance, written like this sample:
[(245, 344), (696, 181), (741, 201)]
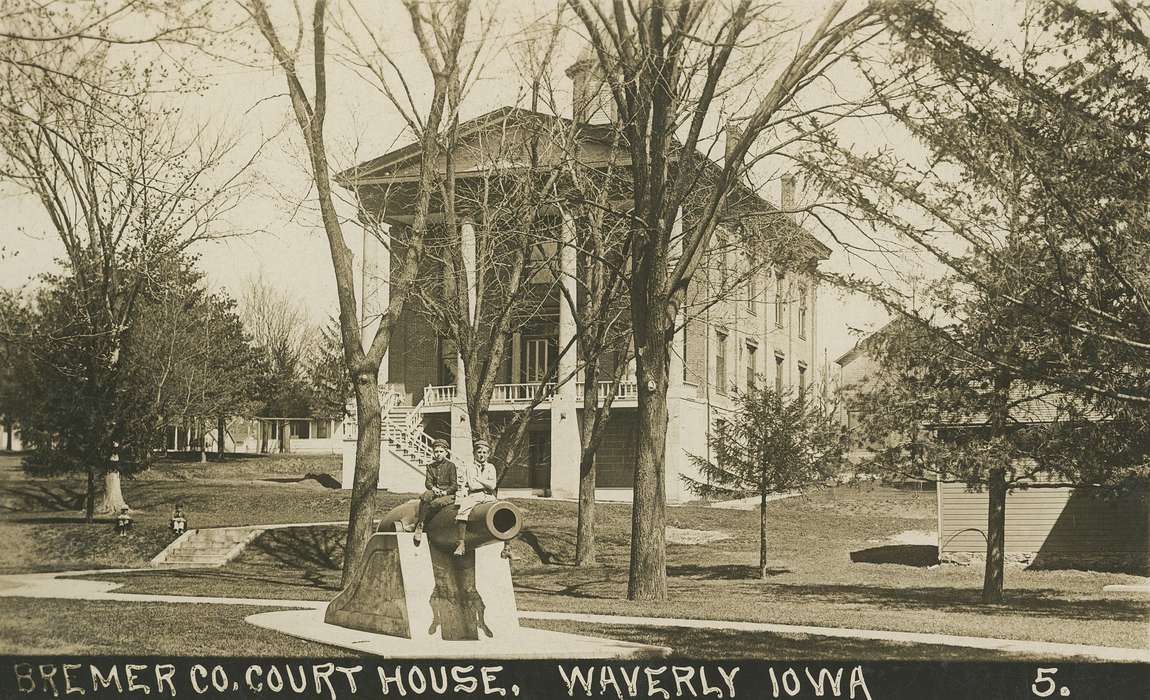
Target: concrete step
[(206, 546), (181, 558)]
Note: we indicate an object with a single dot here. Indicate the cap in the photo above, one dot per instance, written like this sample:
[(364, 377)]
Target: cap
[(481, 443), (440, 443)]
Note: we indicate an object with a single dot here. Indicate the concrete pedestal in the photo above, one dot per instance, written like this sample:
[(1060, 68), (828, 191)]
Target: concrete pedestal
[(526, 643), (423, 592)]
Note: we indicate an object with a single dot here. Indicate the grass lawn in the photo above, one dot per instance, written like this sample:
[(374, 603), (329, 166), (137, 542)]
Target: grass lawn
[(110, 627), (812, 578), (219, 630), (42, 526)]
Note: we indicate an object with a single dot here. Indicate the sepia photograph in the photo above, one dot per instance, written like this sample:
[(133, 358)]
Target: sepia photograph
[(575, 348)]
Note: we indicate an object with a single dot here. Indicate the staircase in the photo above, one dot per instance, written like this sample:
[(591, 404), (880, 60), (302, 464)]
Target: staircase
[(402, 430), (213, 546), (399, 437), (403, 434)]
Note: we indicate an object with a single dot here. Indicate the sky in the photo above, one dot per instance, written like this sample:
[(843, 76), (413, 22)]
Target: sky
[(282, 240)]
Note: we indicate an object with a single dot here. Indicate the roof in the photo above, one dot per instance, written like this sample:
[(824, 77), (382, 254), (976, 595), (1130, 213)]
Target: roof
[(861, 346), (392, 161), (1030, 405)]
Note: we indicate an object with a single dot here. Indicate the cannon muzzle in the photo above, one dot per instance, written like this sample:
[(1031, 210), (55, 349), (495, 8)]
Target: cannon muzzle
[(488, 522)]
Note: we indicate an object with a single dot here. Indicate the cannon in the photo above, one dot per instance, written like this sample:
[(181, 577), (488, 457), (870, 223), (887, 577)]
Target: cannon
[(425, 591), (488, 522)]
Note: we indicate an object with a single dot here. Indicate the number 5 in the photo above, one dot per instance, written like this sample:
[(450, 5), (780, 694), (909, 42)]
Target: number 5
[(1042, 677)]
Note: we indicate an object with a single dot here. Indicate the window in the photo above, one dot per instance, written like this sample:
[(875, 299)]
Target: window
[(751, 354), (685, 335), (448, 362), (300, 429), (539, 356), (721, 363), (803, 311), (780, 299), (802, 379), (724, 263), (779, 373), (752, 283), (323, 428)]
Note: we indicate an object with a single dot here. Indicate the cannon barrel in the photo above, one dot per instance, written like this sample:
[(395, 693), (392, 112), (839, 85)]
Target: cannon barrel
[(488, 522)]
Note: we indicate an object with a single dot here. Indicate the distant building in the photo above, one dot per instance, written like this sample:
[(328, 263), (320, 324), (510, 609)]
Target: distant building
[(1047, 523), (260, 435)]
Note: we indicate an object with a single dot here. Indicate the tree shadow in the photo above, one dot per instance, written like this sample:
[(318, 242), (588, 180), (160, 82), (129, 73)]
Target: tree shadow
[(1032, 602), (905, 554), (301, 547), (209, 576), (62, 520), (571, 590), (722, 572), (39, 497), (325, 480), (531, 539)]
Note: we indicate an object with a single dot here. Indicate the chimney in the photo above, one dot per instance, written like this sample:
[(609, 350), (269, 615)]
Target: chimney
[(734, 132), (787, 192)]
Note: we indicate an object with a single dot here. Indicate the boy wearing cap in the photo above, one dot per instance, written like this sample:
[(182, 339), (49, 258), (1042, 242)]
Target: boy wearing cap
[(441, 484), (477, 483)]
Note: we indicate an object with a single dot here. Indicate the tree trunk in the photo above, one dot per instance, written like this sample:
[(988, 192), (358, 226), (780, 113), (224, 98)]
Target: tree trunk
[(763, 534), (995, 537), (365, 481), (7, 433), (203, 440), (285, 436), (996, 507), (113, 498), (220, 430), (647, 579), (90, 495), (585, 528)]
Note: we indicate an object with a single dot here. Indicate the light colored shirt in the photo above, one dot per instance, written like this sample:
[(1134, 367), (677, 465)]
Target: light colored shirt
[(478, 476)]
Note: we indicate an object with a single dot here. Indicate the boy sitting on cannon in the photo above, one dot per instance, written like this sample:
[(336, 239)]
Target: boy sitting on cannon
[(441, 483)]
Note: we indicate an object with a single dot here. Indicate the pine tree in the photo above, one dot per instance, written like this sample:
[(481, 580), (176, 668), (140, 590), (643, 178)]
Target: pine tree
[(773, 443)]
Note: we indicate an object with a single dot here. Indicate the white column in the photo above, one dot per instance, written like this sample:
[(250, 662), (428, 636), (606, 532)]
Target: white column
[(565, 443), (461, 436), (674, 458)]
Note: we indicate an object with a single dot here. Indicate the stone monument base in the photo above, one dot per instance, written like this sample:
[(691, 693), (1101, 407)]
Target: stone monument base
[(525, 643)]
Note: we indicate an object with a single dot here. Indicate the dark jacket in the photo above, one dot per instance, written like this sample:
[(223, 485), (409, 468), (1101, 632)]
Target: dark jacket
[(441, 474)]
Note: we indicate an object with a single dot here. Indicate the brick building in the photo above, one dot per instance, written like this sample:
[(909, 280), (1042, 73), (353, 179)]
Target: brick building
[(744, 321)]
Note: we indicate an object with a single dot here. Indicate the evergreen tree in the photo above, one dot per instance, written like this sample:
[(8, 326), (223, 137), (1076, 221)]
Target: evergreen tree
[(773, 443)]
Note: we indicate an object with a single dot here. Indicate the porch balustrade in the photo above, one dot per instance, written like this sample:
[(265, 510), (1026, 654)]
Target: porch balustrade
[(525, 393)]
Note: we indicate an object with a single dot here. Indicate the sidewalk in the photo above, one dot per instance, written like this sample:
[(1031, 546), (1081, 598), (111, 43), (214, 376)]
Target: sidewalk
[(53, 585)]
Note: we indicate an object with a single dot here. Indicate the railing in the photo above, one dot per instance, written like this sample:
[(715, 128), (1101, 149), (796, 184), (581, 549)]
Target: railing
[(439, 395), (520, 393), (388, 399), (628, 390), (524, 393)]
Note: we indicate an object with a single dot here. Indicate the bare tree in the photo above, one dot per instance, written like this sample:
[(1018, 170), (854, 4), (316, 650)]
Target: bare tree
[(666, 69), (280, 328), (127, 187), (440, 35)]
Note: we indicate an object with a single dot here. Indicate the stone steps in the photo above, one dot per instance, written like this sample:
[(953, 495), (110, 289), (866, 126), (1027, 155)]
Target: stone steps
[(212, 546)]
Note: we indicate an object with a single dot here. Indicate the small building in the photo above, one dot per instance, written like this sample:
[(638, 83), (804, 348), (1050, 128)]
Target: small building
[(1048, 522), (1050, 525), (259, 435)]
